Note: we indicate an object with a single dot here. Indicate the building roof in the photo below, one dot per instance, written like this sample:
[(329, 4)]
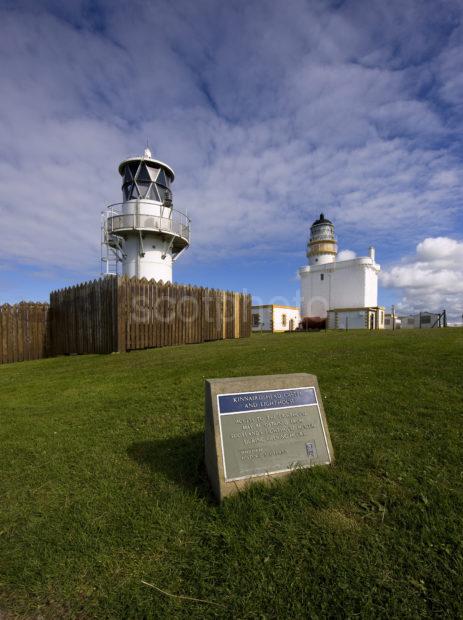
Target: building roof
[(275, 306), (322, 220)]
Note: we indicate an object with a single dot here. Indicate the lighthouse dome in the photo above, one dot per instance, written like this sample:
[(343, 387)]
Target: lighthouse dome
[(322, 220)]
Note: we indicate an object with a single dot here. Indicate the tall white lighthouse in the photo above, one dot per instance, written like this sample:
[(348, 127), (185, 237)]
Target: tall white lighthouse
[(338, 293), (143, 235)]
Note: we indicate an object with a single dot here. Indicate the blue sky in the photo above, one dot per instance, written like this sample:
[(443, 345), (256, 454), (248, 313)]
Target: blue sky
[(269, 112)]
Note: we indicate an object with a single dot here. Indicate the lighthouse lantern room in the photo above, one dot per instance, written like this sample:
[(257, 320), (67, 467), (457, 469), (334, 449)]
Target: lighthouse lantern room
[(144, 235)]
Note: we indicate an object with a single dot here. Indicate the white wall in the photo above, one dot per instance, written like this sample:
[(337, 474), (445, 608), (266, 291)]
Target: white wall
[(155, 245), (345, 284), (151, 265), (291, 314), (271, 318), (356, 319), (371, 286), (367, 318)]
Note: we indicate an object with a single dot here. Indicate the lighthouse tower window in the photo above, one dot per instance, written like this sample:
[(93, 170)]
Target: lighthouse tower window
[(322, 276)]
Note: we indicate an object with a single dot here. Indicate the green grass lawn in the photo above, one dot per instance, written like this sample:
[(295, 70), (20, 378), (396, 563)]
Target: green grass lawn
[(103, 486)]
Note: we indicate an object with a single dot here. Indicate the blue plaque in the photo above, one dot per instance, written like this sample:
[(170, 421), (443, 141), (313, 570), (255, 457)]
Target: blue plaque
[(269, 399)]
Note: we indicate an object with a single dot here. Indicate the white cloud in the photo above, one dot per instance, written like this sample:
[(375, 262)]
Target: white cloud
[(268, 117), (432, 279), (440, 249), (346, 255)]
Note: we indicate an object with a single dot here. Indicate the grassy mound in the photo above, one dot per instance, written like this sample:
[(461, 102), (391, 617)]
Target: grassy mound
[(103, 486)]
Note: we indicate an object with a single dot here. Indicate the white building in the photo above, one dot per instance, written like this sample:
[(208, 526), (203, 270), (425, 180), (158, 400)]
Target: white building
[(274, 318), (355, 318), (392, 321), (423, 320), (144, 234), (342, 293)]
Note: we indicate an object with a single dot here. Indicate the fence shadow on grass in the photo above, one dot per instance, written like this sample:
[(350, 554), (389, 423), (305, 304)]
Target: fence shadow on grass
[(179, 458)]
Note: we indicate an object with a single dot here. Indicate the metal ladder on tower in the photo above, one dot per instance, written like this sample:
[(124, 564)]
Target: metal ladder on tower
[(111, 251)]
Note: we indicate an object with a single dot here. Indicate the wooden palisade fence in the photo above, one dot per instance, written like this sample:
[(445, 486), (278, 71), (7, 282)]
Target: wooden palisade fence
[(121, 314), (153, 314), (23, 332), (83, 318)]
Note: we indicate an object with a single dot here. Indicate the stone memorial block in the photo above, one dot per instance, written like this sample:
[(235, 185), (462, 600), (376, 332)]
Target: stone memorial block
[(258, 428)]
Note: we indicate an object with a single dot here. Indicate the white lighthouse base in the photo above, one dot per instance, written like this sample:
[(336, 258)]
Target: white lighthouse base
[(149, 257), (339, 284)]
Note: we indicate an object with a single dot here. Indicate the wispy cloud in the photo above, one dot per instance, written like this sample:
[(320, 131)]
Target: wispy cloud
[(269, 112)]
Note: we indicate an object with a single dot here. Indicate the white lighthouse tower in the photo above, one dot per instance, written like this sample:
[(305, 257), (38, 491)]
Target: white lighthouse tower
[(321, 247), (144, 235), (338, 293)]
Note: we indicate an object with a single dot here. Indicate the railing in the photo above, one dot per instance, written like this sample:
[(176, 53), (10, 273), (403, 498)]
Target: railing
[(322, 237), (177, 223)]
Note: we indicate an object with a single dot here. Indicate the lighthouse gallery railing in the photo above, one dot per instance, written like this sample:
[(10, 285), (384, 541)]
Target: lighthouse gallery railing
[(177, 223)]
